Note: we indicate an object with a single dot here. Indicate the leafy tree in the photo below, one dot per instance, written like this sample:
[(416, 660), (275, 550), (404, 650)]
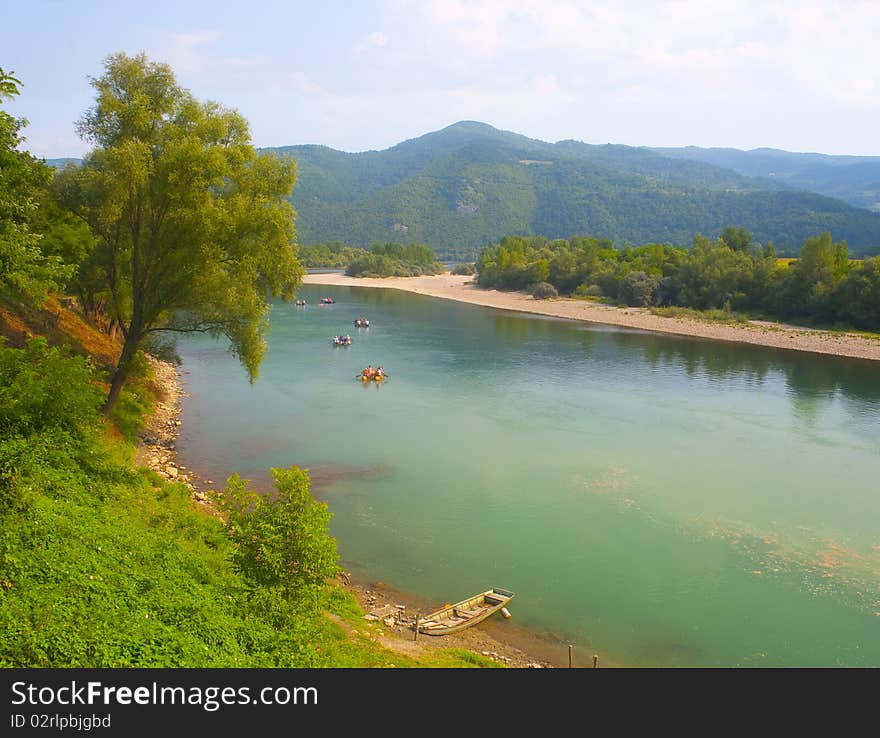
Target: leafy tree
[(281, 540), (192, 226), (813, 278), (23, 266)]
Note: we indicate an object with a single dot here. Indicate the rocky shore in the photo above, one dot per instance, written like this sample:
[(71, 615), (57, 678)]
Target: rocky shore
[(157, 442)]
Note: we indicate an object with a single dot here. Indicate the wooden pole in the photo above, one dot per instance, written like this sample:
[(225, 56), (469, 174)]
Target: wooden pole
[(569, 655), (416, 634), (595, 661)]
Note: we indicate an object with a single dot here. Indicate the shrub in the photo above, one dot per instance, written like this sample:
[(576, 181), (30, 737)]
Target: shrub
[(589, 290), (465, 269), (543, 290), (281, 541), (638, 289)]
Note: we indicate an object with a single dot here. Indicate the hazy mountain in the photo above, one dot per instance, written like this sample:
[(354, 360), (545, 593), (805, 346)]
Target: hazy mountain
[(467, 185), (854, 179)]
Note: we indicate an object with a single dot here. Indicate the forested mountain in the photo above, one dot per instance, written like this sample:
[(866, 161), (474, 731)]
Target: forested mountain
[(467, 185), (854, 179)]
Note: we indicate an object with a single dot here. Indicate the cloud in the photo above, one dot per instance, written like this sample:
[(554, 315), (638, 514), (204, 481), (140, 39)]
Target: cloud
[(303, 85), (375, 40), (194, 53)]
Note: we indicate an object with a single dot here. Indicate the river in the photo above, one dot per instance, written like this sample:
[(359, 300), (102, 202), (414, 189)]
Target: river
[(662, 501)]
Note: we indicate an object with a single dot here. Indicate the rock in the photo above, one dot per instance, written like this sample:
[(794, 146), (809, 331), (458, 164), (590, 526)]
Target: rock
[(171, 471), (389, 621)]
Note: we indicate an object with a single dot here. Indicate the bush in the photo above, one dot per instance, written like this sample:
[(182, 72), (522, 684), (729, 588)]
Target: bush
[(281, 541), (589, 290), (543, 290), (466, 269), (638, 289)]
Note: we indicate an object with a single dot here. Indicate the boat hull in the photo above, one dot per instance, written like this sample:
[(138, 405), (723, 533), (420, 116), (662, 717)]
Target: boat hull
[(464, 614)]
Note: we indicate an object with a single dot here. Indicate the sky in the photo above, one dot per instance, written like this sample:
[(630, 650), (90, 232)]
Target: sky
[(361, 75)]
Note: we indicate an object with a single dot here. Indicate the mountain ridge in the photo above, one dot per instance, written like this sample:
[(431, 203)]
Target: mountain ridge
[(468, 184)]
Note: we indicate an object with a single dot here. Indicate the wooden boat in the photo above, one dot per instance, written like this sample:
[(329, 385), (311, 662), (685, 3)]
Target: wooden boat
[(464, 614)]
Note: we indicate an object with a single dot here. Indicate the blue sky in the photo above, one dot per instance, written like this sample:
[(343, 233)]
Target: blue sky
[(800, 76)]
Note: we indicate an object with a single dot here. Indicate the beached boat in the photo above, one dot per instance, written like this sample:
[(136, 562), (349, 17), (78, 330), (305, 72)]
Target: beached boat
[(464, 614)]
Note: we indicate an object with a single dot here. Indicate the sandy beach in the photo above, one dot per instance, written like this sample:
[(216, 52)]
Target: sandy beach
[(761, 333)]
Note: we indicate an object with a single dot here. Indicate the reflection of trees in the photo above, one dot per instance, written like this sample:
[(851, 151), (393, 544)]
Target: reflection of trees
[(470, 337), (809, 377)]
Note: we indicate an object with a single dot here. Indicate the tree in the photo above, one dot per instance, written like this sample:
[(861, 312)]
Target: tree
[(23, 179), (281, 540), (193, 228)]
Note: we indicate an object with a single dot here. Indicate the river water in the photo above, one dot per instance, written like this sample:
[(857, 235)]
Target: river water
[(662, 501)]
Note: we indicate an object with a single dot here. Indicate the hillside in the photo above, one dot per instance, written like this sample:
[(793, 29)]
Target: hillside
[(467, 185), (854, 179)]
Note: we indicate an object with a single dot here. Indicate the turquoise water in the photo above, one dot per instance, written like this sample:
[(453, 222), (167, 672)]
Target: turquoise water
[(657, 500)]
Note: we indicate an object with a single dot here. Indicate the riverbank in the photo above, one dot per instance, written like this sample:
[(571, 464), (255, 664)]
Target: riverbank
[(761, 333), (502, 642)]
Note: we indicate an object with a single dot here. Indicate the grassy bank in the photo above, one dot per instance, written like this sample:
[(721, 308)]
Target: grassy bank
[(105, 564)]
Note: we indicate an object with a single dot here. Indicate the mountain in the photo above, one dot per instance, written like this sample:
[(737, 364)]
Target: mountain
[(854, 179), (467, 185)]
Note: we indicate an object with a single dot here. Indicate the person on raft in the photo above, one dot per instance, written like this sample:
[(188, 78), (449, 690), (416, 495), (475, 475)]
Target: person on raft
[(369, 372), (380, 372)]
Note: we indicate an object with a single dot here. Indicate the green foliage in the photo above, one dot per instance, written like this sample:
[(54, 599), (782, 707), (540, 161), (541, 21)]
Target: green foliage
[(24, 268), (466, 269), (328, 255), (281, 541), (193, 231), (468, 185), (639, 289), (543, 290), (730, 273), (395, 260)]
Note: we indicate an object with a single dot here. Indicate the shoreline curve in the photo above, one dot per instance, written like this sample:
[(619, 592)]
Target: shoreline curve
[(760, 333)]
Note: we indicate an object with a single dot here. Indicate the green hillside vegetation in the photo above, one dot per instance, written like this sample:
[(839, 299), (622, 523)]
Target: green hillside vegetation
[(466, 186), (853, 179), (730, 273)]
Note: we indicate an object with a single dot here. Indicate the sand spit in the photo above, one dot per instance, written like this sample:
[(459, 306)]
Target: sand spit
[(761, 333)]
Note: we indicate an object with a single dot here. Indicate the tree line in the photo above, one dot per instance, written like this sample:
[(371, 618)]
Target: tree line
[(731, 272), (394, 260)]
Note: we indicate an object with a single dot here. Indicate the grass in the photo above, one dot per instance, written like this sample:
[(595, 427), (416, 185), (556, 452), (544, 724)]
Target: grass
[(710, 316)]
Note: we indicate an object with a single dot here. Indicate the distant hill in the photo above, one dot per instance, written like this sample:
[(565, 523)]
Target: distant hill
[(467, 185), (62, 162), (854, 179)]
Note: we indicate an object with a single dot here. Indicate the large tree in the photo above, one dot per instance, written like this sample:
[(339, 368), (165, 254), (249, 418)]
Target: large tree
[(194, 231)]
